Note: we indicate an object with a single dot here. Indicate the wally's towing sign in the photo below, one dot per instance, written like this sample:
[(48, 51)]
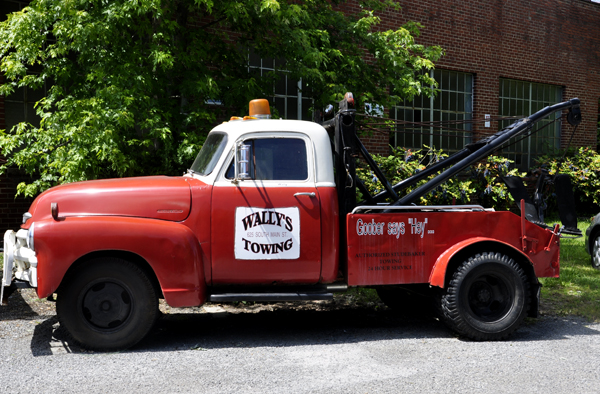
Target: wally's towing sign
[(267, 234)]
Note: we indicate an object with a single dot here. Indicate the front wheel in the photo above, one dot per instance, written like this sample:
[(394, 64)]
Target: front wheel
[(487, 298), (109, 304)]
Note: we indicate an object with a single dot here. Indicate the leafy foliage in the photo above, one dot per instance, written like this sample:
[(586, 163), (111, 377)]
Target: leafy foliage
[(132, 82), (583, 166), (480, 184), (490, 189)]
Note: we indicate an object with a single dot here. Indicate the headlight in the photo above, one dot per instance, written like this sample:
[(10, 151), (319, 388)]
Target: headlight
[(26, 217), (30, 237)]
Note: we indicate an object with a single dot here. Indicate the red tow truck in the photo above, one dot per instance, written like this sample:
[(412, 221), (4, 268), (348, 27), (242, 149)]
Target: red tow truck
[(269, 212)]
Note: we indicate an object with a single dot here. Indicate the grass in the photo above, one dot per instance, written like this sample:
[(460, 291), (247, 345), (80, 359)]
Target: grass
[(577, 290)]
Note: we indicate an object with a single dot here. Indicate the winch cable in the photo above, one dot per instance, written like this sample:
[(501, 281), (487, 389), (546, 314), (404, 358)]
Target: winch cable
[(532, 132), (442, 128), (562, 159), (444, 125)]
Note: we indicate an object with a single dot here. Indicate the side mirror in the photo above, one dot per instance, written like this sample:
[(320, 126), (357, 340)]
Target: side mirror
[(243, 162)]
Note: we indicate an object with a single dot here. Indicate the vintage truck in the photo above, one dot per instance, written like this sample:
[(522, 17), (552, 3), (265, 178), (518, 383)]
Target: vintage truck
[(269, 211)]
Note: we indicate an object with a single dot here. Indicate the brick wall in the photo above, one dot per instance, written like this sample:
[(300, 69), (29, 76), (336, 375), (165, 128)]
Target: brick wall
[(12, 208), (546, 41)]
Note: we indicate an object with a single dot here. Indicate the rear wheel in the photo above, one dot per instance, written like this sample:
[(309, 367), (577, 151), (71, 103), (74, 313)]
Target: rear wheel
[(109, 304), (487, 298)]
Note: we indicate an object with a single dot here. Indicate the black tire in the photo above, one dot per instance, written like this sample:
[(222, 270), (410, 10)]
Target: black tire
[(406, 301), (595, 251), (108, 304), (488, 297)]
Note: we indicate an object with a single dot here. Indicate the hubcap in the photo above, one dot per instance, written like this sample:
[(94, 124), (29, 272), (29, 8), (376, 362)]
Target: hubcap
[(489, 298), (106, 305)]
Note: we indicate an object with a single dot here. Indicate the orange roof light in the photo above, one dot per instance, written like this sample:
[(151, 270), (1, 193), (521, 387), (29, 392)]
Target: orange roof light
[(259, 109)]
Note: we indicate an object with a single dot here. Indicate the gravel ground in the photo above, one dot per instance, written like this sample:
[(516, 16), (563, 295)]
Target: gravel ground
[(311, 348)]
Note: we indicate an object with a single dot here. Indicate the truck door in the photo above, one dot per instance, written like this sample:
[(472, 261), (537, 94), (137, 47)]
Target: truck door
[(267, 229)]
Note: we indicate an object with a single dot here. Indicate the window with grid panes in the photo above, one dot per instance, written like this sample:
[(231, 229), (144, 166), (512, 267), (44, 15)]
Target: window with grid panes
[(441, 121), (290, 97), (19, 106), (520, 99)]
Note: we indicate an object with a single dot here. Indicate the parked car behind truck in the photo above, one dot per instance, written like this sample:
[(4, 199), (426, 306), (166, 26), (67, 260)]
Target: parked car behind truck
[(592, 241), (269, 212)]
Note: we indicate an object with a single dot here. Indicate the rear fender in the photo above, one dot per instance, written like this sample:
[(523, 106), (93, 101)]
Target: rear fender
[(440, 268), (170, 249)]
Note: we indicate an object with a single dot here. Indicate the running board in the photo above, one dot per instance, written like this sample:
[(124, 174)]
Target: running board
[(273, 297)]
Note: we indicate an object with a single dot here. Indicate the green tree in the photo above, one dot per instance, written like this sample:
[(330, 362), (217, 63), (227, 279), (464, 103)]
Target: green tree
[(131, 80)]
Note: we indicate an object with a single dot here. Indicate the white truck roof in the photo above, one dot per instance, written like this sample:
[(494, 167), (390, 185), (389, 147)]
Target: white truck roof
[(321, 154)]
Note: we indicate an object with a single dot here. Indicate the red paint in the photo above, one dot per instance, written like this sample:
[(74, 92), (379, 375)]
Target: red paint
[(330, 234), (169, 248), (377, 257), (198, 221), (226, 269), (185, 255), (158, 197)]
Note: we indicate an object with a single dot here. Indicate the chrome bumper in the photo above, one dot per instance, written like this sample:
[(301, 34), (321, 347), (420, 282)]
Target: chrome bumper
[(20, 261)]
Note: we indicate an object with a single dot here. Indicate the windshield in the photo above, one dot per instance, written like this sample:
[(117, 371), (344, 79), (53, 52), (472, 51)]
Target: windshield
[(209, 154)]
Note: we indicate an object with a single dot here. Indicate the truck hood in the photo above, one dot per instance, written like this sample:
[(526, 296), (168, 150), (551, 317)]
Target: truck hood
[(158, 197)]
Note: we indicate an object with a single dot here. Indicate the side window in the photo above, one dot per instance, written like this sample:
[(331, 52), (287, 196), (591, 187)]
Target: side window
[(277, 159)]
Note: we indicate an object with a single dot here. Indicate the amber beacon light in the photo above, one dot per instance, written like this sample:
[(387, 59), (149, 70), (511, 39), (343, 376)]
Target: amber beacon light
[(259, 109)]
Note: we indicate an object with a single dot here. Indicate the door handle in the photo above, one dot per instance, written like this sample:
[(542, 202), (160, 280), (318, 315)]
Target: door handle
[(310, 194)]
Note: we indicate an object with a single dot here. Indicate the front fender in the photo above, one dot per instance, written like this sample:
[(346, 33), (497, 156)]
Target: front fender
[(438, 273), (171, 249)]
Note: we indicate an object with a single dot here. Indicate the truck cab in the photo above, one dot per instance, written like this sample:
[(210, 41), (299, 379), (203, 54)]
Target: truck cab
[(274, 223)]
